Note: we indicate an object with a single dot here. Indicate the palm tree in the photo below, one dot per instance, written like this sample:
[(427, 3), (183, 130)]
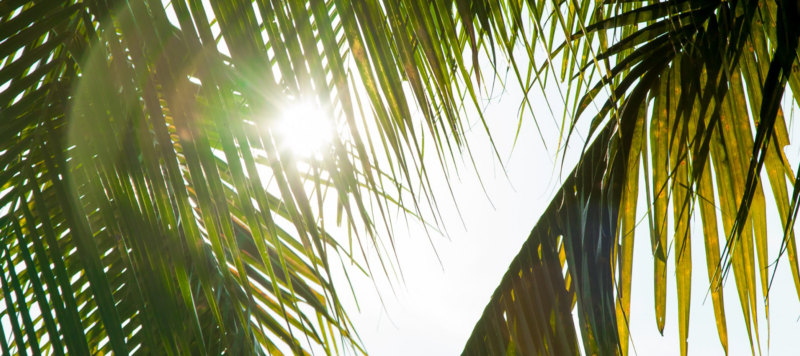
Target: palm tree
[(696, 71), (152, 202)]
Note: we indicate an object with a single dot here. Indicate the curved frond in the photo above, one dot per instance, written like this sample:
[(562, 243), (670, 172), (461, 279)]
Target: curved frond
[(691, 78)]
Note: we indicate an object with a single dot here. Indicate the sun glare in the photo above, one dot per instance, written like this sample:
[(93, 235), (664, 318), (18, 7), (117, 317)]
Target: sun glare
[(305, 129)]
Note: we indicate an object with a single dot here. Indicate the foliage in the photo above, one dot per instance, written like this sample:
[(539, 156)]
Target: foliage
[(149, 202), (151, 205), (688, 77)]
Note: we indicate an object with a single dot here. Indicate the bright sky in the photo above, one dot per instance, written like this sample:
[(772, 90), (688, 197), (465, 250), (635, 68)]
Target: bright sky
[(434, 312), (435, 309)]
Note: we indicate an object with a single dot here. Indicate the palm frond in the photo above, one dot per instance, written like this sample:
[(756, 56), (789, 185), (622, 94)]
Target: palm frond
[(700, 72), (151, 204)]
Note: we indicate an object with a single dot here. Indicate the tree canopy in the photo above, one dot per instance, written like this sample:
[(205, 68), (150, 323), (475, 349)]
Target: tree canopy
[(150, 201)]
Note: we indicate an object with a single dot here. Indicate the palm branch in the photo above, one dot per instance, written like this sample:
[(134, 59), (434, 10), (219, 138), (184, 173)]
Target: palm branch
[(680, 86), (150, 204)]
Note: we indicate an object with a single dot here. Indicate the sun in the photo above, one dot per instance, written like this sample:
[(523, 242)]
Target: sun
[(305, 129)]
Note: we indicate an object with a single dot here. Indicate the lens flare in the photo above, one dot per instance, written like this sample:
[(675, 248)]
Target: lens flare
[(305, 129)]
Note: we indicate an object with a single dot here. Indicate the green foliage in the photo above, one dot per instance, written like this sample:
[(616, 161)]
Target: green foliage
[(150, 204), (695, 75)]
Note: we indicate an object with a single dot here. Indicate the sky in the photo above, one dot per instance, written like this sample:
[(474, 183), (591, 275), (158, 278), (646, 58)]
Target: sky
[(447, 280), (435, 309)]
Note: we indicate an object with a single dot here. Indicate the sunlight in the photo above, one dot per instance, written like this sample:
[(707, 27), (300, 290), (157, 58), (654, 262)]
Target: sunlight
[(305, 129)]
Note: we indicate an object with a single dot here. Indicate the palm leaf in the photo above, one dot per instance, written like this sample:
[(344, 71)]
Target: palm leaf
[(150, 203), (690, 61)]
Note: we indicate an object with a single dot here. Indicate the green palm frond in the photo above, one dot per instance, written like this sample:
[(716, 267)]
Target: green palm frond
[(151, 204), (692, 76)]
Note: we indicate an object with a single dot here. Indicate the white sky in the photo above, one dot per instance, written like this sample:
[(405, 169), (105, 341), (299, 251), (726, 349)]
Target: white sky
[(435, 309), (434, 312)]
